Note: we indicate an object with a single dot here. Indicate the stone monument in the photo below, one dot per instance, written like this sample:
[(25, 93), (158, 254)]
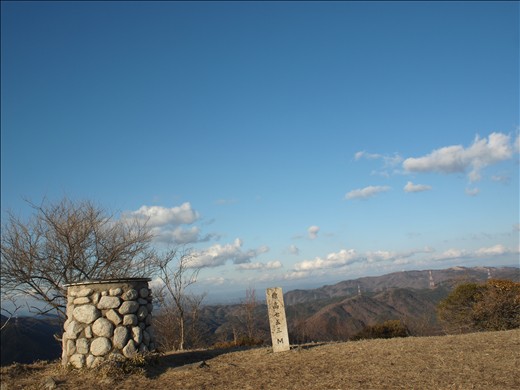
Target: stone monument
[(107, 319), (277, 321)]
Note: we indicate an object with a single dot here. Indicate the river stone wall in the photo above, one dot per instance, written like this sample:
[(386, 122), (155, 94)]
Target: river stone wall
[(107, 320)]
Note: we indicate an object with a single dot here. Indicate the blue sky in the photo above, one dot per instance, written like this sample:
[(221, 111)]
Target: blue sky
[(288, 143)]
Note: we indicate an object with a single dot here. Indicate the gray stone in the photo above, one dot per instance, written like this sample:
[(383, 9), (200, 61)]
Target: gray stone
[(100, 346), (85, 292), (130, 319), (64, 356), (115, 292), (70, 300), (144, 292), (121, 335), (113, 316), (146, 337), (130, 350), (151, 347), (86, 314), (81, 300), (150, 331), (142, 325), (142, 313), (73, 329), (143, 349), (107, 302), (90, 360), (148, 320), (103, 327), (142, 301), (95, 298), (128, 307), (70, 309), (88, 332), (97, 361), (71, 347), (137, 334), (149, 306), (82, 346), (130, 295), (77, 360), (104, 293)]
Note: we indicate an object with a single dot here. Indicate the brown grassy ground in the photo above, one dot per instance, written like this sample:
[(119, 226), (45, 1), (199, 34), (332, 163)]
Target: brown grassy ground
[(474, 361)]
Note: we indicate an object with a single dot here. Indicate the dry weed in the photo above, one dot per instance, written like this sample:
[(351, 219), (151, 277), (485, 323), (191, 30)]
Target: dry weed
[(473, 361)]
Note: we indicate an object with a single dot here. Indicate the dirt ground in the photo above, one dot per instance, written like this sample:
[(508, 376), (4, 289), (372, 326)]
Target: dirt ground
[(488, 360)]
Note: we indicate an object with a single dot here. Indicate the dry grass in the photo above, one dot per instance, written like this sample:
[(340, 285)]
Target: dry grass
[(474, 361)]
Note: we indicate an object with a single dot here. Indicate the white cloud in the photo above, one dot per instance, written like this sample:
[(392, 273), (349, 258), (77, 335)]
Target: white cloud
[(218, 255), (389, 161), (259, 266), (180, 235), (457, 159), (501, 179), (410, 187), (333, 260), (360, 155), (517, 143), (496, 250), (294, 250), (162, 216), (295, 275), (472, 191), (452, 253), (313, 232), (493, 251), (365, 193)]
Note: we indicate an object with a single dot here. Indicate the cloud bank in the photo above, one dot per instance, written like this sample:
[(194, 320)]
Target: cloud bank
[(410, 187), (217, 255), (259, 266), (162, 216), (481, 153), (347, 257), (313, 232), (365, 193)]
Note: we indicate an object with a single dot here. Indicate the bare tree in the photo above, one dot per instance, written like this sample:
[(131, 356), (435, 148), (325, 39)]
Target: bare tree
[(177, 274), (10, 308), (196, 334), (249, 308), (67, 242)]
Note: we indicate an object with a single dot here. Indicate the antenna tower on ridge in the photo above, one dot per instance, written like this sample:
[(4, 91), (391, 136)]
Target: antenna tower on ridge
[(432, 283)]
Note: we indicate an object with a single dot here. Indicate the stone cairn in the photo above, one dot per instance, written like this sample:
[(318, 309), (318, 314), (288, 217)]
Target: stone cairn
[(109, 319)]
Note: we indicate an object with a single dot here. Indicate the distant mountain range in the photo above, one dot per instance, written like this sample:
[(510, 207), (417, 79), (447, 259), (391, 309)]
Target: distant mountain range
[(339, 311), (406, 279), (27, 339), (332, 312)]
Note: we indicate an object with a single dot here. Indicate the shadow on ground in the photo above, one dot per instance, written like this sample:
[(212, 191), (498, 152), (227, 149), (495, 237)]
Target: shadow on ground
[(199, 359), (186, 360)]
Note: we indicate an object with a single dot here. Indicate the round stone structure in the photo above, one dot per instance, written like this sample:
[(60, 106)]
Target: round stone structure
[(107, 319)]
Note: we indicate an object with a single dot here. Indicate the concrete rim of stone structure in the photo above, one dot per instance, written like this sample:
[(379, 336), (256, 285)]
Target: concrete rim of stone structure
[(107, 319)]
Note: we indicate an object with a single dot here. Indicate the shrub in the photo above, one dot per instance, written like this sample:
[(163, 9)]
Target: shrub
[(471, 307), (241, 342), (386, 330)]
